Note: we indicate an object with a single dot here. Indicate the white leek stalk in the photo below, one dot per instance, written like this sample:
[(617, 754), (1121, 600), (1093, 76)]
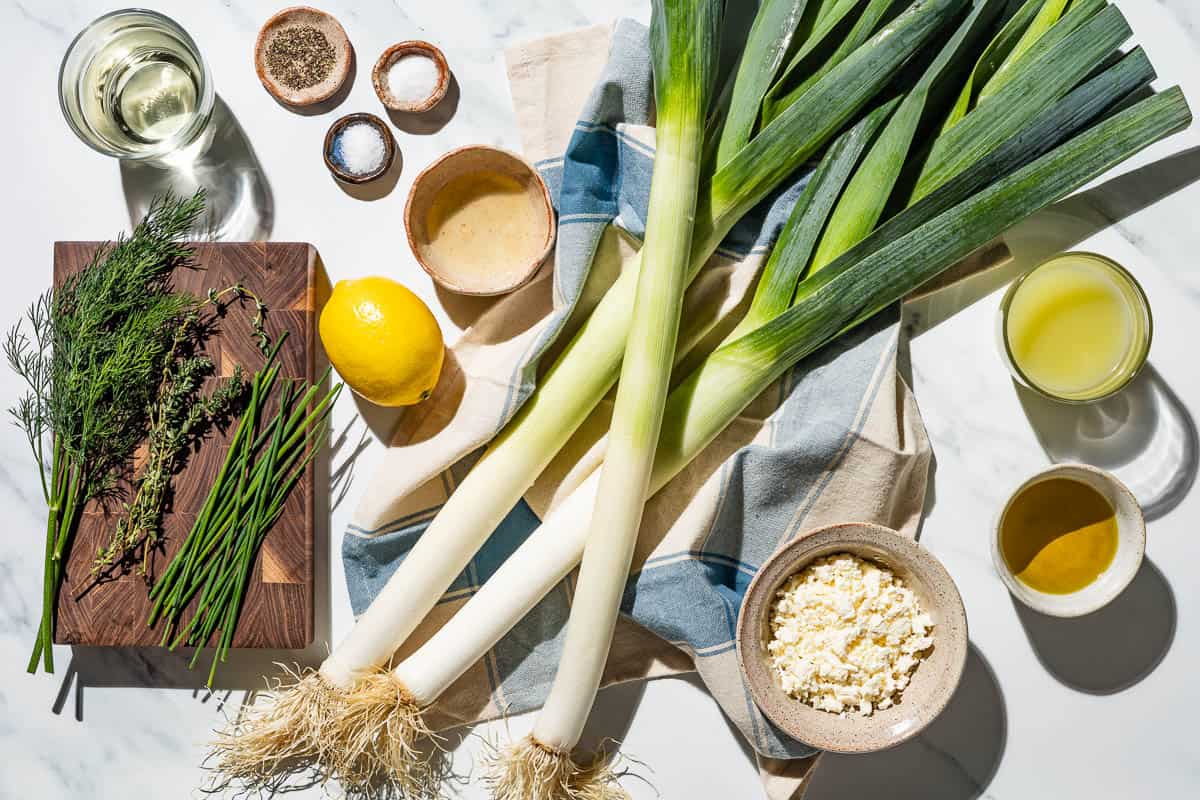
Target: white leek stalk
[(295, 723), (902, 255)]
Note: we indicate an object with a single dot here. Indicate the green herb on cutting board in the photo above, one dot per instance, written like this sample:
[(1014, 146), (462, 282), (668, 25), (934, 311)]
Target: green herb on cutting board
[(278, 435), (91, 351), (179, 419)]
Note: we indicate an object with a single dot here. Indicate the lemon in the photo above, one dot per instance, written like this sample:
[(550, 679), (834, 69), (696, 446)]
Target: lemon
[(383, 341)]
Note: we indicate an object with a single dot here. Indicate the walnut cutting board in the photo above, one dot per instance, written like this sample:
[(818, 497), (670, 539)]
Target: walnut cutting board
[(278, 609)]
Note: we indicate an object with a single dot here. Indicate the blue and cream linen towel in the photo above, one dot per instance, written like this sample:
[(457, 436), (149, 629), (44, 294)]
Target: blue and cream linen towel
[(839, 438)]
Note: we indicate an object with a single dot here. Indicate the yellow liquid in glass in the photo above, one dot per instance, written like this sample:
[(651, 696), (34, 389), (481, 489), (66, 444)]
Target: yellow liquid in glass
[(1073, 326), (1059, 535)]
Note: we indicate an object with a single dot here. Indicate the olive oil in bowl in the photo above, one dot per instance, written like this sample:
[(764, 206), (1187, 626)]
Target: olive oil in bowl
[(1069, 540), (1059, 535), (1077, 328)]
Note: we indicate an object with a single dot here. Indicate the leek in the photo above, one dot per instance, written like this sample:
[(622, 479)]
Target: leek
[(1062, 58), (771, 34), (1046, 17), (908, 251), (862, 205), (696, 413), (799, 75), (683, 45)]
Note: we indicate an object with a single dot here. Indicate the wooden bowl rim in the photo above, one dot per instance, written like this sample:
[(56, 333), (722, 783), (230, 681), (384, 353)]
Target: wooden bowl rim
[(792, 716), (337, 77), (389, 147), (547, 216), (392, 54)]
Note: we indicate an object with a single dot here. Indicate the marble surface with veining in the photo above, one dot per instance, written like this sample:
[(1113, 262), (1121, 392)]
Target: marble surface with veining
[(1099, 707)]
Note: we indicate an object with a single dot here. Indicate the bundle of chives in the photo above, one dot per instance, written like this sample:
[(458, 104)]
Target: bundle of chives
[(266, 459)]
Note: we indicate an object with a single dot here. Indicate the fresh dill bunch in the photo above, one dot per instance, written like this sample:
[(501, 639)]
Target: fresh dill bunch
[(92, 357)]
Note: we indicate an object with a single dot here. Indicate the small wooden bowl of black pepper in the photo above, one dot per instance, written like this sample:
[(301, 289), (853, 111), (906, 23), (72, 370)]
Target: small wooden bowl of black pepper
[(302, 56)]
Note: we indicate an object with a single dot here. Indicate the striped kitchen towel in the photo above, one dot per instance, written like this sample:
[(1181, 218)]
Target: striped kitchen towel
[(838, 438)]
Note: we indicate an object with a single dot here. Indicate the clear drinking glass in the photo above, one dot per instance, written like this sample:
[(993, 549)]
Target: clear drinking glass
[(133, 85), (1140, 335)]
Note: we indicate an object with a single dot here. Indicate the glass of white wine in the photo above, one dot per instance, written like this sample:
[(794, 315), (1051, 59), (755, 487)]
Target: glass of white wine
[(133, 86)]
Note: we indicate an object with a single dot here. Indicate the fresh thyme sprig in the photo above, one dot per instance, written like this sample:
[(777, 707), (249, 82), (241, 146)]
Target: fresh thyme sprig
[(92, 356), (180, 418)]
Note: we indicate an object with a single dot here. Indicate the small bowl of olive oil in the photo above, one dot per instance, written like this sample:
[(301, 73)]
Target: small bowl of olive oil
[(1069, 541), (1077, 328)]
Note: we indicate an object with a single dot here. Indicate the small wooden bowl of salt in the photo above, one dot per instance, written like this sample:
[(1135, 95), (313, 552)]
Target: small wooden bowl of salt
[(411, 77), (359, 148)]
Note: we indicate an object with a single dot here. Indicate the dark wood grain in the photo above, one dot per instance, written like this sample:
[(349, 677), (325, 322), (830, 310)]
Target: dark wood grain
[(278, 611)]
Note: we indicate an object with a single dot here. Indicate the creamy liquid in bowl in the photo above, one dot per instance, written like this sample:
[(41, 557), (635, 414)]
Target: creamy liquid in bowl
[(485, 228)]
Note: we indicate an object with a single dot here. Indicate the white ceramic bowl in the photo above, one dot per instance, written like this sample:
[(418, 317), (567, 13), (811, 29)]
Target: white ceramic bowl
[(1131, 547)]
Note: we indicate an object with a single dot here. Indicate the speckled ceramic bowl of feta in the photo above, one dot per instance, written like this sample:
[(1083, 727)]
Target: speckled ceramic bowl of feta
[(932, 683)]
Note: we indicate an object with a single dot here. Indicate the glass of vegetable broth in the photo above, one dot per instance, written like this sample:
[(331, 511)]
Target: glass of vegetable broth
[(1077, 328), (133, 85)]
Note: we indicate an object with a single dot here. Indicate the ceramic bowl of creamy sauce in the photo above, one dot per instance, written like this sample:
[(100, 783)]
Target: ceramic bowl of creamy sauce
[(480, 221)]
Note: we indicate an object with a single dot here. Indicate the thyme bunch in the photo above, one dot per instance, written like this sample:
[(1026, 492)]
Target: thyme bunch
[(178, 421), (91, 352)]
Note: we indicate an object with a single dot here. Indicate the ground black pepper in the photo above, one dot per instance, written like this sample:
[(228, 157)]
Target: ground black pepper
[(300, 57)]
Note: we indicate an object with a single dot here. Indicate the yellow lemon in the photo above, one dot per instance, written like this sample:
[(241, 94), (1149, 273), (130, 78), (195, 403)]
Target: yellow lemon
[(383, 341)]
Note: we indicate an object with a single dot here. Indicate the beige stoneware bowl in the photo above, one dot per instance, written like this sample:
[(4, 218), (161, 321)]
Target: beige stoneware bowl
[(1131, 546), (511, 271), (394, 54), (933, 682), (334, 33)]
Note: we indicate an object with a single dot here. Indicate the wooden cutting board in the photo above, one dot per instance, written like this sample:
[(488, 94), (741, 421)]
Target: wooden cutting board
[(278, 610)]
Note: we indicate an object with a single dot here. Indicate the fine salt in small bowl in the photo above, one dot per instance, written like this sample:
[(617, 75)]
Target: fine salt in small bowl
[(359, 148), (933, 681), (411, 77), (308, 20), (1131, 546), (480, 221)]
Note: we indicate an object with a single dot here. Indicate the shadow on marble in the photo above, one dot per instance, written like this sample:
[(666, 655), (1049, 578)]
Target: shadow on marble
[(342, 477), (1079, 652), (955, 758), (464, 310), (1061, 227), (241, 207), (381, 421), (1144, 435), (379, 188), (433, 120)]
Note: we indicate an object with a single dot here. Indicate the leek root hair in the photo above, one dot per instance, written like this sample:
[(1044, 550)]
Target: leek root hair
[(380, 737), (530, 770), (282, 733)]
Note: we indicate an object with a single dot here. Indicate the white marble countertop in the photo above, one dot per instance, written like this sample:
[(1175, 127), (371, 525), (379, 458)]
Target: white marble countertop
[(1092, 708)]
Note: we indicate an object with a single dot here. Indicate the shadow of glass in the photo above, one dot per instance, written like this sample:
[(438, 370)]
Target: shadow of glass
[(1079, 652), (1144, 435), (240, 204), (433, 120), (955, 758)]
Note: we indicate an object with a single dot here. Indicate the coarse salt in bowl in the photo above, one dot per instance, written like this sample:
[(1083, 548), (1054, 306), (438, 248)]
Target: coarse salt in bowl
[(411, 77), (358, 148)]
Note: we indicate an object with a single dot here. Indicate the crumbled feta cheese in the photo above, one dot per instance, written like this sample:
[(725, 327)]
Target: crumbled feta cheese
[(846, 635)]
